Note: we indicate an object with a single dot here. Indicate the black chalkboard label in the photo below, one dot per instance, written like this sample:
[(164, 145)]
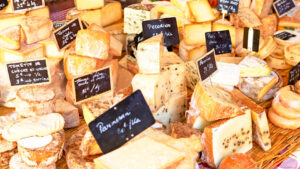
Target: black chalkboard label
[(122, 122), (59, 24), (220, 41), (167, 26), (282, 7), (284, 35), (126, 3), (207, 65), (294, 74), (66, 34), (28, 72), (3, 4), (27, 5), (139, 38), (251, 39), (94, 84), (231, 6)]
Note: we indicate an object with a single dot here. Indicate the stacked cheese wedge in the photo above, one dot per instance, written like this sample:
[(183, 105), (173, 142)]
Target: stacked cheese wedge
[(285, 107)]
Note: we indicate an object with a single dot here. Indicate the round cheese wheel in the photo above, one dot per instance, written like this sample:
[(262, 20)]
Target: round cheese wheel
[(289, 98), (283, 122), (238, 161), (292, 54), (276, 63), (269, 46), (283, 111)]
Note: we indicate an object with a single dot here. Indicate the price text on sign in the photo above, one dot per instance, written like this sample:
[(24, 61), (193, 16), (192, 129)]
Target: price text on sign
[(28, 72), (66, 34), (220, 41), (207, 65), (27, 5), (122, 122), (167, 26), (294, 74), (94, 84), (3, 4), (284, 35), (282, 7), (231, 6)]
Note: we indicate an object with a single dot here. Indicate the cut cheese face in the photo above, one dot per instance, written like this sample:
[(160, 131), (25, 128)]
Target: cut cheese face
[(252, 66), (91, 16), (10, 38), (226, 137), (141, 153), (227, 74), (44, 12), (51, 49), (192, 76), (248, 18), (201, 10), (111, 13), (8, 20), (93, 43), (89, 4), (149, 55), (196, 121), (167, 8), (35, 142), (194, 34)]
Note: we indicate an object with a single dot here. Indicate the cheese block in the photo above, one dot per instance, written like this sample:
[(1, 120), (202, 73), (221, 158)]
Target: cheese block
[(44, 12), (226, 137), (194, 34), (91, 16), (185, 49), (231, 29), (292, 55), (145, 152), (182, 5), (89, 4), (44, 155), (173, 110), (107, 16), (92, 43), (261, 7), (155, 88), (33, 126), (34, 101), (257, 87), (201, 10), (6, 146), (192, 75), (174, 64), (69, 112), (134, 15), (277, 63), (213, 103), (196, 53), (149, 54), (51, 50), (252, 66), (232, 60), (36, 28), (269, 25), (260, 126), (10, 38), (180, 21), (227, 74), (9, 20), (248, 18), (16, 162), (25, 52), (196, 121), (289, 97)]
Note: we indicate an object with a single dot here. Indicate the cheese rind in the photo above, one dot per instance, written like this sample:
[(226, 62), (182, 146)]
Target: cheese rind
[(201, 10), (194, 34), (11, 19), (10, 38), (91, 16), (248, 18), (51, 50), (107, 16), (89, 4), (44, 11)]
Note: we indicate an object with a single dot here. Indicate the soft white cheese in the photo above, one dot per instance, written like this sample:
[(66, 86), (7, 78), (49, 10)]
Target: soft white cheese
[(35, 142)]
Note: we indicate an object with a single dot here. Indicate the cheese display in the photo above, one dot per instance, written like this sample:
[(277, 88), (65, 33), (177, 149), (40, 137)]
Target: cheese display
[(150, 110)]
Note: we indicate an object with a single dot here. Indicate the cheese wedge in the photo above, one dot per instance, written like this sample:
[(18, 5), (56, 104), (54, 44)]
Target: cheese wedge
[(261, 7), (194, 34), (248, 18), (36, 28), (196, 121), (173, 110), (167, 8), (92, 43), (91, 16), (227, 74), (252, 66), (260, 125), (157, 155), (185, 49), (292, 55), (213, 103), (201, 10), (196, 53), (10, 38), (182, 5), (107, 16), (155, 88), (9, 20), (149, 54), (180, 21), (226, 137), (89, 4), (25, 52), (51, 50), (44, 12)]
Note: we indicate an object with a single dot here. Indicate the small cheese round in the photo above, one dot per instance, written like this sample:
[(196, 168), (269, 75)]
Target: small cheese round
[(35, 142), (289, 98), (17, 163), (238, 161), (282, 122), (283, 111)]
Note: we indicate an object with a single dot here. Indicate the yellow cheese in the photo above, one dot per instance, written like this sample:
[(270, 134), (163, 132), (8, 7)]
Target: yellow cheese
[(252, 66), (222, 27), (180, 21), (8, 20), (87, 114), (40, 12), (111, 13), (248, 18), (182, 5), (194, 34), (140, 154), (89, 4), (201, 10), (93, 44), (167, 8), (91, 16), (10, 38), (72, 14), (196, 53), (51, 49), (25, 52), (261, 7)]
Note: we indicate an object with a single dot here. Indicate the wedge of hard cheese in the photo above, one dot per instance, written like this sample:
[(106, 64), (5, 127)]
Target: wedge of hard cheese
[(44, 11), (10, 19), (213, 103), (51, 49), (108, 17), (141, 153), (248, 18), (194, 34), (252, 66), (260, 125), (226, 137), (89, 4), (201, 10), (10, 38)]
